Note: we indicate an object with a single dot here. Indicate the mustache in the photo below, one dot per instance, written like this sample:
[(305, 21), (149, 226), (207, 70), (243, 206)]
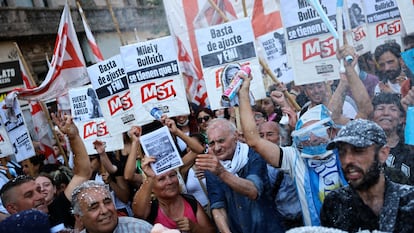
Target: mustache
[(353, 167)]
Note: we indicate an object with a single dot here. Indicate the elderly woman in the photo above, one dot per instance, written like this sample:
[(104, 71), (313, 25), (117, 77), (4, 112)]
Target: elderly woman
[(169, 208)]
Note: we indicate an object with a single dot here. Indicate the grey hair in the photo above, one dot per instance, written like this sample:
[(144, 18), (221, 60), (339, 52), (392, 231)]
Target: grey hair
[(90, 184), (223, 123)]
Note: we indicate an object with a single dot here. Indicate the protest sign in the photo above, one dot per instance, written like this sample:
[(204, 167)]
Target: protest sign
[(110, 82), (5, 145), (275, 53), (228, 43), (13, 121), (185, 16), (311, 48), (154, 78), (160, 144), (406, 10), (381, 10), (89, 120), (356, 17)]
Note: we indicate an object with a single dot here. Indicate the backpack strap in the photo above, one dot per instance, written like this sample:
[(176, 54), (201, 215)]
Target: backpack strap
[(278, 182)]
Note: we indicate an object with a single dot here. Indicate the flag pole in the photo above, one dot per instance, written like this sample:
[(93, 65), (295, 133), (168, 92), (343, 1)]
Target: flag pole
[(262, 63), (44, 108), (115, 22)]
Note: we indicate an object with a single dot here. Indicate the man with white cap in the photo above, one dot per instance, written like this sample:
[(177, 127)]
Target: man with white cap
[(371, 201), (315, 170)]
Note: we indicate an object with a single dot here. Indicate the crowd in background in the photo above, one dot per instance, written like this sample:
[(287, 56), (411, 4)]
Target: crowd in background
[(269, 174)]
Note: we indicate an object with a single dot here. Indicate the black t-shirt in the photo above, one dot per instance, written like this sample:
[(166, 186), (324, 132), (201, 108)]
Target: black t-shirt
[(60, 211)]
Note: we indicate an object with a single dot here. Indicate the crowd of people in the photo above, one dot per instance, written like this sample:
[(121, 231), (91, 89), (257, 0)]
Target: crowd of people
[(340, 162)]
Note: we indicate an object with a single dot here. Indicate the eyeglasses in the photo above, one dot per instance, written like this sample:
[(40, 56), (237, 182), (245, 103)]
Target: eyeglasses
[(204, 118)]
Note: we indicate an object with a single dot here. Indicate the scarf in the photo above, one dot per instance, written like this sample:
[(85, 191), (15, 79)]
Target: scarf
[(239, 159)]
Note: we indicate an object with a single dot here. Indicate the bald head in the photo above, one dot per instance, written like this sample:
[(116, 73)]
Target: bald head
[(269, 130)]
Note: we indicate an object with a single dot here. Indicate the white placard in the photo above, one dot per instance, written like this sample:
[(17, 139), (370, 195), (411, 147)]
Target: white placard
[(6, 148), (160, 144), (154, 78), (15, 126), (110, 82), (231, 42), (380, 10)]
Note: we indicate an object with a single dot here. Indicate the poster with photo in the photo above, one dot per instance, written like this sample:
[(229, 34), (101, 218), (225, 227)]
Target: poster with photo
[(90, 122), (109, 80), (6, 147), (154, 78), (224, 44), (14, 123), (160, 144), (275, 53)]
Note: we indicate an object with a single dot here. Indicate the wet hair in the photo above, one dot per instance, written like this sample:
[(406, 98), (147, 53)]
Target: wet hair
[(388, 98), (392, 47), (5, 193), (90, 184)]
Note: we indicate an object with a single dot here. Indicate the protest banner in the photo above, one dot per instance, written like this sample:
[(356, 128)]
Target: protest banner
[(67, 68), (160, 144), (384, 22), (228, 43), (184, 16), (110, 82), (6, 148), (273, 45), (312, 51), (89, 120), (406, 10), (356, 20), (154, 78), (14, 123)]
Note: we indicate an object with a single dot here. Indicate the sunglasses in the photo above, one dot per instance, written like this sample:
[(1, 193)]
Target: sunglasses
[(204, 118)]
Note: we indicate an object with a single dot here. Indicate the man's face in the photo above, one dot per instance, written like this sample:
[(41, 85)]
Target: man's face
[(388, 116), (389, 67), (98, 210), (270, 132), (222, 142), (360, 165), (316, 92), (27, 196)]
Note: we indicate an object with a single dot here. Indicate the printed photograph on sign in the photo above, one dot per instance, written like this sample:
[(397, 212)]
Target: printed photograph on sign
[(109, 80), (224, 44), (14, 124), (160, 144), (154, 78), (275, 51), (6, 148), (84, 103)]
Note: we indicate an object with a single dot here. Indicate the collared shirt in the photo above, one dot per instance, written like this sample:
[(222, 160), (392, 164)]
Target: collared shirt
[(246, 215), (344, 209), (130, 224)]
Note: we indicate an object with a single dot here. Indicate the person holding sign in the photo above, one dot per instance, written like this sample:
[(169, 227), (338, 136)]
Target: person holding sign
[(170, 208), (237, 183)]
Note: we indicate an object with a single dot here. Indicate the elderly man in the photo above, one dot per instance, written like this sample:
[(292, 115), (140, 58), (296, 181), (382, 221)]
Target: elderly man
[(371, 201), (94, 207), (237, 183)]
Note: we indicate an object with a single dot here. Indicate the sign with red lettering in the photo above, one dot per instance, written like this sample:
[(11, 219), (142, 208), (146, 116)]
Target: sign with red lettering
[(109, 80), (154, 78), (219, 45), (88, 117), (384, 32)]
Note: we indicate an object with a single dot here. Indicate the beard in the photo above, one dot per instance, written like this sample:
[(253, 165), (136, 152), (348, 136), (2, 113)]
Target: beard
[(389, 75), (370, 178)]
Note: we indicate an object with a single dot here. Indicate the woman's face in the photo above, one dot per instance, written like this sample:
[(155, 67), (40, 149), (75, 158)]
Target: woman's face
[(166, 185), (203, 119), (48, 190), (267, 106)]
